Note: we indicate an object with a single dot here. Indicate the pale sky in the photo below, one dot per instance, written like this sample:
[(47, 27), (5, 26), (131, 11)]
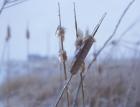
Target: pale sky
[(42, 18)]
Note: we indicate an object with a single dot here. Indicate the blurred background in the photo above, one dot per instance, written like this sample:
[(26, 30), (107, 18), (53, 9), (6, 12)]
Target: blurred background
[(31, 74)]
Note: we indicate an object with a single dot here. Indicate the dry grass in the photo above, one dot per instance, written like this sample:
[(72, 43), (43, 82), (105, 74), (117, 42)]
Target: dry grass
[(107, 88)]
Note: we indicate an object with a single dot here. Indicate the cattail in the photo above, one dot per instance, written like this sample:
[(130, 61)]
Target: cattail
[(8, 34), (81, 55), (28, 47), (61, 36), (27, 34), (27, 38), (79, 59), (62, 53), (7, 45)]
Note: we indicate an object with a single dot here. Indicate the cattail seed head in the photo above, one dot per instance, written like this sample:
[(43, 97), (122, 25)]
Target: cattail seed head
[(8, 36), (81, 55), (61, 32), (62, 56), (27, 34), (87, 37)]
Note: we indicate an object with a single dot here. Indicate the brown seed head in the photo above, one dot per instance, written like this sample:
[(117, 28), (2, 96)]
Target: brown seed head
[(61, 32), (62, 56), (27, 34), (8, 34)]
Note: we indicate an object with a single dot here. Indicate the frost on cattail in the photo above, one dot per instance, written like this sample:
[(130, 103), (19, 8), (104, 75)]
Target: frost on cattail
[(81, 54), (62, 56), (83, 45), (79, 39), (8, 36), (61, 32)]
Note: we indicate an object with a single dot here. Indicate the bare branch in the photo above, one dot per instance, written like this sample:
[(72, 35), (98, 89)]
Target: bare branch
[(7, 4), (4, 3), (63, 56), (14, 3), (113, 34)]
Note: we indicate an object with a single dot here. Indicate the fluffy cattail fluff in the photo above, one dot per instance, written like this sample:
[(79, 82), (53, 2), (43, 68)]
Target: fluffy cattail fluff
[(8, 36), (87, 36), (61, 32), (79, 42), (79, 39), (87, 32), (62, 56), (27, 34)]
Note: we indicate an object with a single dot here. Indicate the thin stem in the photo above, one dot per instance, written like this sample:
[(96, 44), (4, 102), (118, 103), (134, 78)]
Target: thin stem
[(3, 6), (63, 90), (63, 62), (75, 103), (113, 34), (83, 93), (11, 4), (76, 29)]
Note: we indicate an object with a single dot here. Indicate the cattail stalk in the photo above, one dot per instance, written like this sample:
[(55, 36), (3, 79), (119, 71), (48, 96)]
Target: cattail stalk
[(62, 53), (79, 42), (86, 47), (7, 41), (27, 47)]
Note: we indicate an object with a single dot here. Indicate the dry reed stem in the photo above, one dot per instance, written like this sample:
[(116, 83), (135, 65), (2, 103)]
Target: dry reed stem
[(6, 44), (129, 28), (62, 53), (3, 6), (7, 41), (63, 90), (75, 102), (28, 47), (76, 28)]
